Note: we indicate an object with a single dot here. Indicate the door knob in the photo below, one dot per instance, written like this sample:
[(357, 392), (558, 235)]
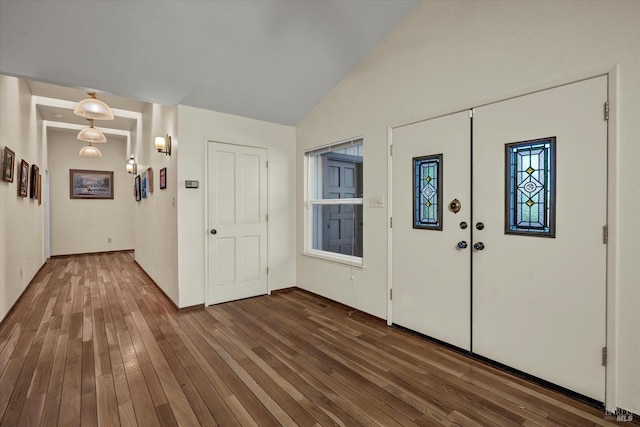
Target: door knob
[(214, 231), (455, 206), (478, 246), (462, 244), (480, 226)]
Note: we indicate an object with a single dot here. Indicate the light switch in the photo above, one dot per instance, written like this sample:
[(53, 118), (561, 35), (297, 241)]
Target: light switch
[(376, 202)]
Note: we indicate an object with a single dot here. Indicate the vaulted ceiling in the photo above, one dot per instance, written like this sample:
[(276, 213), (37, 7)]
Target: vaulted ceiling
[(264, 59)]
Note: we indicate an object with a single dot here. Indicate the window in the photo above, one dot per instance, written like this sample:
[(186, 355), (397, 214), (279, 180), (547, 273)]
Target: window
[(530, 188), (427, 188), (334, 201)]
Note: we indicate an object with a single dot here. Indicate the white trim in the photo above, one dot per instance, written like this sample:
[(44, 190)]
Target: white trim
[(351, 261), (359, 140), (389, 229), (612, 245), (357, 201)]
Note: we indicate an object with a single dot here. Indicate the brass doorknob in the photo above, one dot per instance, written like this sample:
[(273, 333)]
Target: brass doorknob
[(455, 206)]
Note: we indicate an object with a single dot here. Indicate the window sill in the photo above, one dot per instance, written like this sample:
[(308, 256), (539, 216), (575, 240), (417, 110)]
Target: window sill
[(350, 261)]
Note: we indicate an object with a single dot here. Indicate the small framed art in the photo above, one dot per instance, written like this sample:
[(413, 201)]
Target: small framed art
[(150, 180), (23, 179), (8, 162), (138, 188), (163, 178), (33, 188)]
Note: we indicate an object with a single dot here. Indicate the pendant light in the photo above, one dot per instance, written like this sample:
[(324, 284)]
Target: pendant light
[(90, 151), (93, 108), (91, 134)]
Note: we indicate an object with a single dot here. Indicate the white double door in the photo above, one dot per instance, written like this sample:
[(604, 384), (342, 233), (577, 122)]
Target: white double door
[(536, 304), (237, 222)]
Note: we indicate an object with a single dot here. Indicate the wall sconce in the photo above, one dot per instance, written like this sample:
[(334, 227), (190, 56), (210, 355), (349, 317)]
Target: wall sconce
[(163, 144), (132, 166)]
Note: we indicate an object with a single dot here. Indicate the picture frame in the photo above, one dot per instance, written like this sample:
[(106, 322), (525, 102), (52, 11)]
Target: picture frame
[(23, 179), (90, 184), (144, 185), (39, 189), (138, 190), (150, 180), (33, 188), (8, 164), (163, 178)]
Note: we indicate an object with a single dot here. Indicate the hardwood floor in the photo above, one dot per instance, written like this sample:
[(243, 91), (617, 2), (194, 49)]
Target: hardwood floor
[(94, 342)]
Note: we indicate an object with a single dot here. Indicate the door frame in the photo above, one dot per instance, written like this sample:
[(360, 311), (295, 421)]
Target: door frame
[(611, 285), (207, 144)]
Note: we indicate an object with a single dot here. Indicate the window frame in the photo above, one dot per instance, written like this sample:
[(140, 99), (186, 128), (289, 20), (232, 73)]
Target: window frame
[(311, 200)]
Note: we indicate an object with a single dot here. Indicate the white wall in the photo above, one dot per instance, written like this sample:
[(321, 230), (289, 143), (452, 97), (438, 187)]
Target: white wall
[(82, 225), (196, 127), (156, 229), (448, 55), (21, 219)]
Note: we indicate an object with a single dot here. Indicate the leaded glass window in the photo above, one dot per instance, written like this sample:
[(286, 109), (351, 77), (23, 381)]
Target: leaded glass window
[(530, 187), (427, 192)]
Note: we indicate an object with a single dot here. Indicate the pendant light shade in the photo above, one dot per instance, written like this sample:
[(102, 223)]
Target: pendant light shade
[(93, 108), (91, 134), (90, 151)]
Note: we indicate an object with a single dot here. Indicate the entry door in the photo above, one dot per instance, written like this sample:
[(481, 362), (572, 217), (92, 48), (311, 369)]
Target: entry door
[(539, 302), (237, 222), (430, 272), (538, 284)]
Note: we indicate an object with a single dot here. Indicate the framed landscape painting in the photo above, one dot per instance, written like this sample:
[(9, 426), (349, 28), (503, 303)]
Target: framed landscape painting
[(8, 162), (87, 184)]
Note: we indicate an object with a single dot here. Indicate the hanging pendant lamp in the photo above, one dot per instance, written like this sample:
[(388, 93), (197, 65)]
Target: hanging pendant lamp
[(91, 134), (90, 151), (93, 108)]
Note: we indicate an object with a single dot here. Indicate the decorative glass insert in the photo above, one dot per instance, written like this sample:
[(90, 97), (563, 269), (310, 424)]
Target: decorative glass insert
[(531, 188), (427, 192)]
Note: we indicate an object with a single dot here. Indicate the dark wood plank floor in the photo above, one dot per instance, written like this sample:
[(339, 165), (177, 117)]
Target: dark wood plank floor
[(94, 342)]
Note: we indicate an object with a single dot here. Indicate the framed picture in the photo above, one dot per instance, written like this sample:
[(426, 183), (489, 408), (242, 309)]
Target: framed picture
[(23, 179), (8, 160), (33, 188), (39, 189), (163, 178), (144, 184), (137, 188), (85, 184), (150, 180)]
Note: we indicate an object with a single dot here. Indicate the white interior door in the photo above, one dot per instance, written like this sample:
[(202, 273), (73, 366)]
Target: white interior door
[(539, 302), (237, 222), (430, 273)]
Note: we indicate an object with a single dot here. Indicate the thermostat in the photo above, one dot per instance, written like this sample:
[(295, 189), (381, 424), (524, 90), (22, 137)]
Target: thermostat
[(191, 184)]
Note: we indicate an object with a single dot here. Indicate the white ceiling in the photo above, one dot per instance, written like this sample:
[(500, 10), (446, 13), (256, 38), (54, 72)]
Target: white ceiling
[(264, 59)]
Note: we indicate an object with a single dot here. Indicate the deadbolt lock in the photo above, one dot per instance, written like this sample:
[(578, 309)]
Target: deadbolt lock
[(455, 206)]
